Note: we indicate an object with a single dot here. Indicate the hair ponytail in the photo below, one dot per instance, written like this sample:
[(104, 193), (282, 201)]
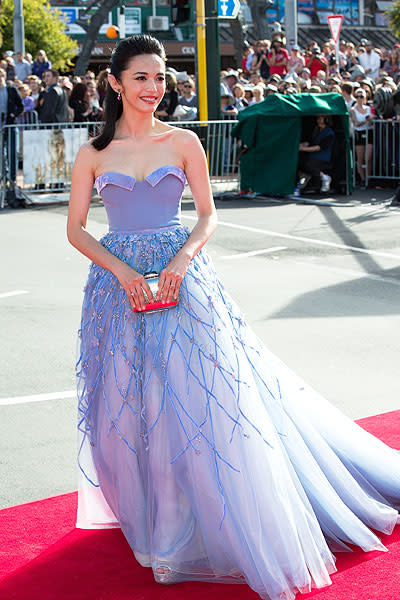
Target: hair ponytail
[(126, 49), (112, 112)]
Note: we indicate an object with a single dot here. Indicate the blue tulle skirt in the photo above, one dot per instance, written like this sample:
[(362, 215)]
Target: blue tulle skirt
[(214, 458)]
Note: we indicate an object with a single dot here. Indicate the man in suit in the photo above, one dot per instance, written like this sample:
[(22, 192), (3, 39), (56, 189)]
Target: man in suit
[(54, 107), (11, 106)]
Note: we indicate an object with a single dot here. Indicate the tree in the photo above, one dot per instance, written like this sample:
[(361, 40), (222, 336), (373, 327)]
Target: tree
[(92, 26), (43, 30), (394, 16)]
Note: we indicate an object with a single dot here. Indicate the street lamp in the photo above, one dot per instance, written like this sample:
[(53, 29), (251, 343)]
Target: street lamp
[(291, 22), (18, 27)]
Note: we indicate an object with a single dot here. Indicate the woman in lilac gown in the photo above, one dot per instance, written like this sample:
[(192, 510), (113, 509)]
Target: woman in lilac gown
[(216, 461)]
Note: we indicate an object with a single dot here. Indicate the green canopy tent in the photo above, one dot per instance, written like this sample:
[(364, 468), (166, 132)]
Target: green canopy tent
[(270, 132)]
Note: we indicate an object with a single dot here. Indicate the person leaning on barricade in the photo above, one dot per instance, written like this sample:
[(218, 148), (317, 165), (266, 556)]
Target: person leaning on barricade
[(361, 115), (54, 108), (79, 101)]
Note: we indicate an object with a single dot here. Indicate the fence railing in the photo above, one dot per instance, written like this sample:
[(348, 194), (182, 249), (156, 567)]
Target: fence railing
[(38, 157), (378, 156)]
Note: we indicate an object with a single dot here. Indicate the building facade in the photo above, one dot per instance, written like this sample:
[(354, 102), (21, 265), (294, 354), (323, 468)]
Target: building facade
[(173, 24)]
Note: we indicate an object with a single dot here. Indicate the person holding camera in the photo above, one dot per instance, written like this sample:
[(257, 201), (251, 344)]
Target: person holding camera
[(317, 62), (278, 58), (260, 62)]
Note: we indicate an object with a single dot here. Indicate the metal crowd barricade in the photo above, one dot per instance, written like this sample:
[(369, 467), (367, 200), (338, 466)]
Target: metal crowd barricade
[(19, 162), (221, 148), (38, 157), (385, 158)]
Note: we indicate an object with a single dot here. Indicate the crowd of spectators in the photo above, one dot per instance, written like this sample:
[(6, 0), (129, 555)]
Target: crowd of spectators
[(268, 68), (368, 79), (54, 98)]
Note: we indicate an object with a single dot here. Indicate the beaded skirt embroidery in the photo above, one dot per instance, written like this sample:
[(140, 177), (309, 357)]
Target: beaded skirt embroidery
[(213, 456)]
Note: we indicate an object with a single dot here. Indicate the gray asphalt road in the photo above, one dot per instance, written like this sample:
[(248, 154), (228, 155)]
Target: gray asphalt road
[(320, 286)]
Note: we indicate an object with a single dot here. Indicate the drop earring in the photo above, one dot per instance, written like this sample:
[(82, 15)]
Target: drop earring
[(119, 95)]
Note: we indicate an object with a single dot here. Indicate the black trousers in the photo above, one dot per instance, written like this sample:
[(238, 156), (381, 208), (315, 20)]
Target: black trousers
[(312, 166), (10, 151)]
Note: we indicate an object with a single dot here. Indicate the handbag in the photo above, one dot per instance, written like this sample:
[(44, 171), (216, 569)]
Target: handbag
[(150, 307)]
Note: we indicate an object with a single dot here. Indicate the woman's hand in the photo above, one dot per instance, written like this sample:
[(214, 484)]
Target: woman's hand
[(171, 278), (135, 285)]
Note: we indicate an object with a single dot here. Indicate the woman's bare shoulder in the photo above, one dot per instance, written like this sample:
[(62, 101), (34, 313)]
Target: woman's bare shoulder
[(185, 135), (87, 150), (87, 153), (86, 159), (182, 132)]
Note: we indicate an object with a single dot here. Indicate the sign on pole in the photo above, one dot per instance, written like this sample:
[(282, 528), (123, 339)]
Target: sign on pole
[(228, 9), (335, 24)]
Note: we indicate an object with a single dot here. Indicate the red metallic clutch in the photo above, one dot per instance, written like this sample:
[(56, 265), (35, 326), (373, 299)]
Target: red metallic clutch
[(152, 280)]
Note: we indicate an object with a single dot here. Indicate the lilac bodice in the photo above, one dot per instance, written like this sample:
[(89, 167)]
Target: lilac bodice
[(133, 205)]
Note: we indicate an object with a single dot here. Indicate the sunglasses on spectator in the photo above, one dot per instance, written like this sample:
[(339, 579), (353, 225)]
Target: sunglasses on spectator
[(359, 96), (187, 85)]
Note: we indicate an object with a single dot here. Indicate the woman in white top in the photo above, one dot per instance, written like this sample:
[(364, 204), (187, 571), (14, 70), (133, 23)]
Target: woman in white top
[(361, 116)]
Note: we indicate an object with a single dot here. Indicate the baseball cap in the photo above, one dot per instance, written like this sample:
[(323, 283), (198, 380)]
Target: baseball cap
[(231, 73)]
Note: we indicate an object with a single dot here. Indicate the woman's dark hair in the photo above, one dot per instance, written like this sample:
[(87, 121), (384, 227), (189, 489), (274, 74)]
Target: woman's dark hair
[(135, 45), (78, 93), (170, 81)]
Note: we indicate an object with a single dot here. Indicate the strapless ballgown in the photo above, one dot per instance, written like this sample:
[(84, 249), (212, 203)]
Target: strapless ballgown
[(210, 454)]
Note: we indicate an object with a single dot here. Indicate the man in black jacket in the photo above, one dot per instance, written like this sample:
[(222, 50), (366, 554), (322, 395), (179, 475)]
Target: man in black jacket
[(11, 106), (54, 108)]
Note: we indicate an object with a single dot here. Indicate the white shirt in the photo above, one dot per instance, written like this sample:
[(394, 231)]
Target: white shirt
[(370, 61), (362, 118), (22, 69), (249, 60)]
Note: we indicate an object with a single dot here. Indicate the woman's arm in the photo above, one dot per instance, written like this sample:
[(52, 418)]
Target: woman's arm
[(254, 62), (310, 148), (81, 193), (195, 167)]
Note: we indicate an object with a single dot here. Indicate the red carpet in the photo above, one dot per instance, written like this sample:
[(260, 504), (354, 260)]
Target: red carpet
[(43, 557)]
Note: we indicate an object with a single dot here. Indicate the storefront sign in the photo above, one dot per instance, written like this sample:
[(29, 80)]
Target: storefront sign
[(69, 14)]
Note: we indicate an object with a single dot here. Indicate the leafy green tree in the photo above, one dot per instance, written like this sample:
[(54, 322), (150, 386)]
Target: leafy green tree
[(43, 30), (394, 16)]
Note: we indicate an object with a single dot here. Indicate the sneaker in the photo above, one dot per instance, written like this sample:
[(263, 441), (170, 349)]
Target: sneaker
[(326, 183), (304, 181)]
